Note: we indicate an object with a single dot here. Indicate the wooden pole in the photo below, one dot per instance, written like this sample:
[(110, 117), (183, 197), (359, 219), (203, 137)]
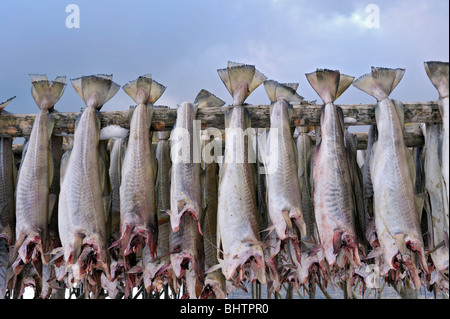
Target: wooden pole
[(164, 118)]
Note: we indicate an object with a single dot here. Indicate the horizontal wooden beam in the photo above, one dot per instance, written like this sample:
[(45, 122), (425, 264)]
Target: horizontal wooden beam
[(413, 138), (164, 118)]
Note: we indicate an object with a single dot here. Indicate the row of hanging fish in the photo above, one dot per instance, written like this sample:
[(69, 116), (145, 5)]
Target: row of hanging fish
[(117, 211)]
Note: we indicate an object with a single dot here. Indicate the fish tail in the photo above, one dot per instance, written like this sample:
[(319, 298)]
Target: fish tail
[(45, 94), (241, 80), (4, 256), (144, 89), (95, 90), (438, 74), (380, 82), (4, 104), (207, 99), (329, 84), (282, 91)]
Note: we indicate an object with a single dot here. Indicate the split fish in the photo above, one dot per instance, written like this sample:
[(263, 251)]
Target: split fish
[(34, 204), (239, 244), (138, 216), (334, 205), (81, 211), (392, 173)]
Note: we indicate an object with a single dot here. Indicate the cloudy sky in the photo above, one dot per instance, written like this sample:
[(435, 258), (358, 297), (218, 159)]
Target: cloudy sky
[(183, 43)]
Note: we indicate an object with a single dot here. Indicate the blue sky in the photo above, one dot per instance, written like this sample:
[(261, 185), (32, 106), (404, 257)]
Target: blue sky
[(183, 43)]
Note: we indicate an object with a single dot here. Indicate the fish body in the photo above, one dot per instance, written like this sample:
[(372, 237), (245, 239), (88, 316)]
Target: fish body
[(305, 147), (283, 190), (393, 177), (185, 190), (35, 177), (238, 228), (157, 271), (333, 195), (187, 253), (370, 231), (81, 211), (117, 147), (139, 221), (186, 213), (434, 188), (311, 255), (240, 252), (438, 72), (214, 281)]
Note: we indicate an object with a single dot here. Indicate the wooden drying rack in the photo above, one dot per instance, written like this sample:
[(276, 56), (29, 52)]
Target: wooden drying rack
[(305, 114)]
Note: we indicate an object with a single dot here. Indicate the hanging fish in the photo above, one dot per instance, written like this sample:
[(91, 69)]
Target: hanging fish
[(283, 190), (214, 281), (334, 206), (34, 204), (438, 74), (138, 216), (186, 241), (239, 244), (438, 225), (185, 193), (392, 173), (8, 175), (157, 271), (370, 231), (81, 211)]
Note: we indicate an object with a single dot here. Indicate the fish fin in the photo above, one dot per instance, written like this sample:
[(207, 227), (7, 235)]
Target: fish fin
[(278, 91), (45, 94), (287, 219), (258, 78), (400, 243), (77, 246), (337, 243), (240, 80), (375, 253), (139, 89), (439, 75), (95, 90), (207, 99), (293, 86), (325, 82), (344, 82), (223, 74), (271, 86), (156, 92), (380, 82), (4, 104), (213, 268)]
